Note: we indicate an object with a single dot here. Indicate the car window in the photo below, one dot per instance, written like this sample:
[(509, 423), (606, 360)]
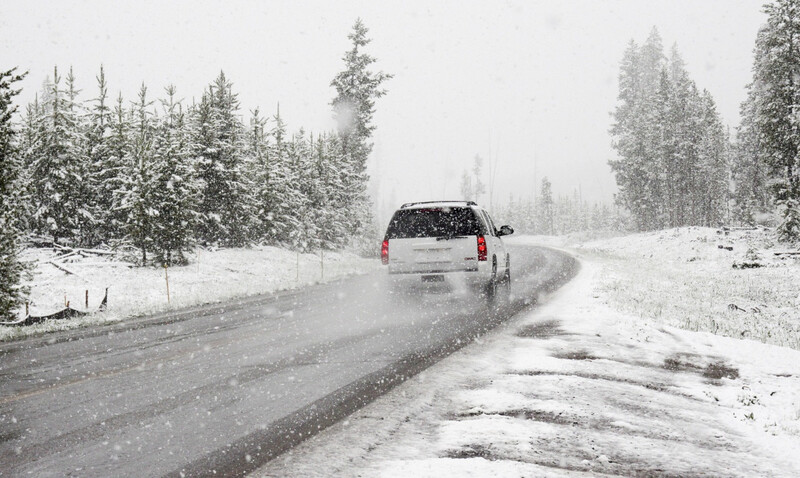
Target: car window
[(433, 222), (490, 223)]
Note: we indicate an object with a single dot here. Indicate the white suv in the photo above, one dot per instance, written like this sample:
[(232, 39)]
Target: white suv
[(449, 242)]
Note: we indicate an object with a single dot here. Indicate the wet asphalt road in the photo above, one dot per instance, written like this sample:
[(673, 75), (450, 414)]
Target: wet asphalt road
[(222, 389)]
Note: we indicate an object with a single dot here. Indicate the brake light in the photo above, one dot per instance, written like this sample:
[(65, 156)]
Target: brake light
[(385, 251), (481, 248)]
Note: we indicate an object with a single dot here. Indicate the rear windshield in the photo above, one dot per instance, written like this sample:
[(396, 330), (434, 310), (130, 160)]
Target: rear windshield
[(433, 222)]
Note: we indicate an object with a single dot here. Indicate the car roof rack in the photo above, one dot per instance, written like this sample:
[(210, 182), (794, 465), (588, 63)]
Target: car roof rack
[(409, 204)]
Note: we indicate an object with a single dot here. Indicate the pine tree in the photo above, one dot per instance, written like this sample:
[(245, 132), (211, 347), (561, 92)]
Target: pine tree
[(660, 157), (136, 197), (12, 292), (58, 167), (225, 202), (467, 191), (471, 185), (357, 88), (173, 192), (337, 193), (283, 209), (772, 110), (104, 170), (28, 147), (118, 169), (749, 170), (85, 232), (306, 181), (629, 138), (477, 170), (652, 61), (330, 191), (261, 173), (546, 208), (209, 229), (712, 178), (641, 140), (672, 165), (681, 125)]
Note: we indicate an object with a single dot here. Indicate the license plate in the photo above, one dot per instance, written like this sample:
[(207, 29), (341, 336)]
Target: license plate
[(433, 278)]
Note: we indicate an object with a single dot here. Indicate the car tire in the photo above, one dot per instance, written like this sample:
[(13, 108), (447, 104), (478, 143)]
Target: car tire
[(498, 290), (490, 289), (507, 288)]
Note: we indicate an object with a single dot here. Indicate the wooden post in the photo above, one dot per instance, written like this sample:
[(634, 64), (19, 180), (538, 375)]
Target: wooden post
[(27, 313), (166, 277), (87, 298)]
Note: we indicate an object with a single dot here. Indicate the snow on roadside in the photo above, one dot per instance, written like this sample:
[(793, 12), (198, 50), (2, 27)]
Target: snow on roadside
[(729, 283), (577, 388), (212, 276)]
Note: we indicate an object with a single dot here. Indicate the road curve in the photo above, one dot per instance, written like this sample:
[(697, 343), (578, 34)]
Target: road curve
[(223, 389)]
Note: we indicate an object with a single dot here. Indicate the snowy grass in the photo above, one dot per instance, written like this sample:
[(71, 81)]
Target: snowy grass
[(212, 276), (690, 278)]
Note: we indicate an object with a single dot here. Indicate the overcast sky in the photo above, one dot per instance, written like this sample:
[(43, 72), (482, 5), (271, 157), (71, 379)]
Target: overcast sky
[(528, 85)]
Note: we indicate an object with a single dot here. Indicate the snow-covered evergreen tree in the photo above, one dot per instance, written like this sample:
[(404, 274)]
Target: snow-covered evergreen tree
[(629, 138), (29, 138), (680, 126), (261, 173), (712, 178), (471, 185), (772, 113), (58, 164), (102, 179), (136, 197), (173, 193), (118, 169), (467, 191), (546, 223), (283, 209), (660, 159), (477, 172), (225, 201), (749, 170), (357, 88), (12, 292), (337, 193), (306, 182), (86, 233), (127, 176), (329, 192), (672, 165)]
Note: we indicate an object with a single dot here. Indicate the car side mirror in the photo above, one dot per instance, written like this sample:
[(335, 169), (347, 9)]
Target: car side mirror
[(505, 231)]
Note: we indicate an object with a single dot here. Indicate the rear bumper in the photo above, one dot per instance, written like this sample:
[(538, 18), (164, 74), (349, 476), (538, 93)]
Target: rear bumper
[(447, 268), (437, 279), (433, 271)]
